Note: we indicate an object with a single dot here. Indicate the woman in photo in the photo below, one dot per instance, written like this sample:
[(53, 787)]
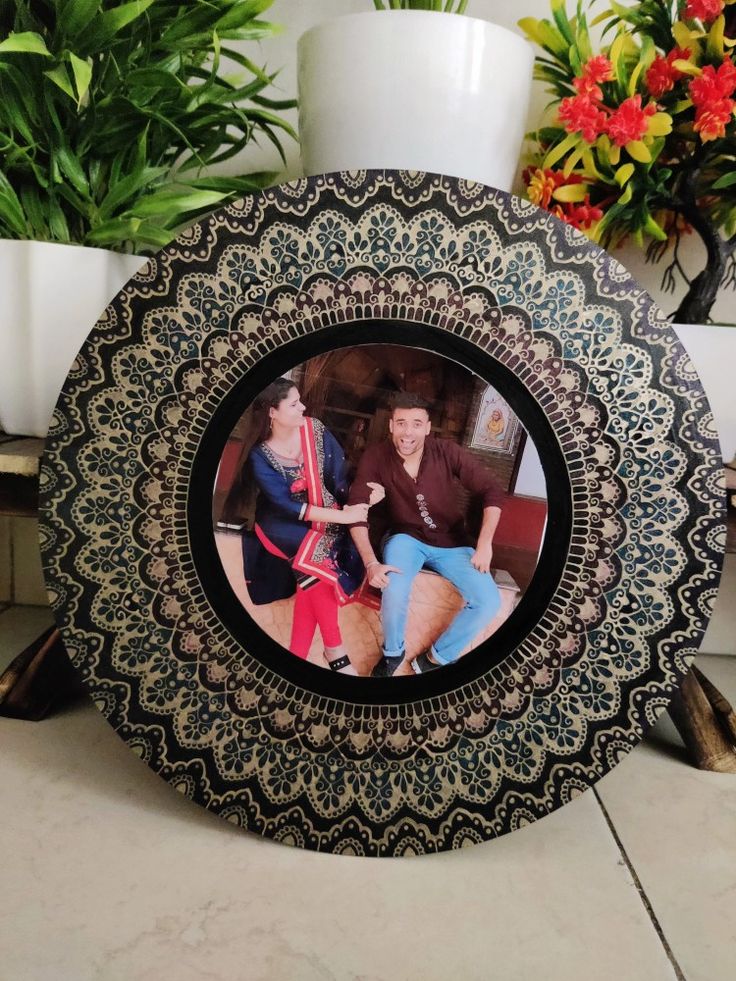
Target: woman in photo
[(299, 541)]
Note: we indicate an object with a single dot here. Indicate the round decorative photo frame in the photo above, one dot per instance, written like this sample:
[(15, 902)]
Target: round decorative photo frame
[(616, 605)]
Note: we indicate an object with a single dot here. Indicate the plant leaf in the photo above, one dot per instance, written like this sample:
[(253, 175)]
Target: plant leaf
[(27, 42), (76, 15), (623, 174), (560, 149), (60, 77), (571, 192), (82, 76), (727, 180), (129, 187), (127, 230), (175, 202), (714, 46), (108, 23), (652, 228), (71, 168), (639, 151)]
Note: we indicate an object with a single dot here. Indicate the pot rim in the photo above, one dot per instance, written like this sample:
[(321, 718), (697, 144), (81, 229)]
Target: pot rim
[(431, 16)]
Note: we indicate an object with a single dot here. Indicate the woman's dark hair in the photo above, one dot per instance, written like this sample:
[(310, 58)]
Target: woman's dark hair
[(258, 429), (270, 398)]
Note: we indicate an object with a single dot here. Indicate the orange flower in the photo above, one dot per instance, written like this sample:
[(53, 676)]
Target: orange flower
[(711, 94), (542, 183), (712, 118)]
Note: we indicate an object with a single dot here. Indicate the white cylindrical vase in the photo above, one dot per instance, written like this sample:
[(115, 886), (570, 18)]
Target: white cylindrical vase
[(51, 295), (414, 90)]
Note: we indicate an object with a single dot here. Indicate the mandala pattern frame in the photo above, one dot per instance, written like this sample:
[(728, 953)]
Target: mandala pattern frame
[(487, 751)]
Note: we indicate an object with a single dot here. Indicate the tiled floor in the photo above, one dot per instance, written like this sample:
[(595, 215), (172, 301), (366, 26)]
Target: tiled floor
[(107, 874)]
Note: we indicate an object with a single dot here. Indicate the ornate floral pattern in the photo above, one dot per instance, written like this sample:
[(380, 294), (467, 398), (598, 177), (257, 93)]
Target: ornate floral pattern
[(639, 579)]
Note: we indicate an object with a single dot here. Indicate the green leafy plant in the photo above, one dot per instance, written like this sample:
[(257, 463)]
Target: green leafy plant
[(642, 140), (112, 114), (444, 6)]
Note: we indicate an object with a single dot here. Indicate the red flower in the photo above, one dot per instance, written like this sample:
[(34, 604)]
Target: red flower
[(704, 10), (726, 76), (595, 70), (662, 75), (629, 122), (712, 118), (582, 215), (712, 86), (598, 69), (705, 88), (581, 115)]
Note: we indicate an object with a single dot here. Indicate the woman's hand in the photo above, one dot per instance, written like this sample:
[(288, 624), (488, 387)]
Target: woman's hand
[(378, 492), (353, 513)]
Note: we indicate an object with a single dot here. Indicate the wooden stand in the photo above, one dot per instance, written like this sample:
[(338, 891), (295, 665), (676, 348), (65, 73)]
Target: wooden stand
[(42, 678), (706, 722)]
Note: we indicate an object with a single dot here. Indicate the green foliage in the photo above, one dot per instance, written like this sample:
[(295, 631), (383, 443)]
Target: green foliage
[(111, 115)]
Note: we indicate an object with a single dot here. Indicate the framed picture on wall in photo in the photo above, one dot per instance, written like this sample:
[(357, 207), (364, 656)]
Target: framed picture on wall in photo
[(496, 428)]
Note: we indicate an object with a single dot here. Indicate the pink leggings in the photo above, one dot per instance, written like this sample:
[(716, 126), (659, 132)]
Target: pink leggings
[(316, 606)]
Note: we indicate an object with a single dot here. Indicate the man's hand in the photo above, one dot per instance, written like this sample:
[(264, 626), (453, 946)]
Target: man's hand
[(481, 558), (378, 574)]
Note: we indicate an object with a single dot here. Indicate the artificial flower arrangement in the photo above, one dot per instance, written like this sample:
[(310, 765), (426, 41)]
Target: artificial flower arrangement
[(643, 142)]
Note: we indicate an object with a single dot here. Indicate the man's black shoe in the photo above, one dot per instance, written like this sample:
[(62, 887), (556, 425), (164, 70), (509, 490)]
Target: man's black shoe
[(387, 666), (422, 663)]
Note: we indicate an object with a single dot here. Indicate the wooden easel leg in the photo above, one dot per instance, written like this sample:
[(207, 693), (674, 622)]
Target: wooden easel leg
[(40, 679), (706, 722)]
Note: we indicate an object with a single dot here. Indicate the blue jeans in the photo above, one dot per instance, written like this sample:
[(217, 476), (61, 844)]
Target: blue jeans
[(482, 599)]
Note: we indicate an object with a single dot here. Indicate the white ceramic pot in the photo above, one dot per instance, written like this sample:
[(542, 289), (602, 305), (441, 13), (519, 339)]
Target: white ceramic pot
[(51, 295), (712, 349), (413, 90)]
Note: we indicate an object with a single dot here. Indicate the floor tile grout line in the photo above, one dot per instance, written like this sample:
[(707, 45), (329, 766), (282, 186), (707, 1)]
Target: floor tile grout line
[(640, 889)]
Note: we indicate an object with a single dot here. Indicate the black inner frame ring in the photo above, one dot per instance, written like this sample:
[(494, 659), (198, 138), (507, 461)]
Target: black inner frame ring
[(314, 678)]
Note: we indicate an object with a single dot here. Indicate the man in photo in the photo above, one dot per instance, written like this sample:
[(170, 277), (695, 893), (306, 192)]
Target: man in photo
[(426, 530)]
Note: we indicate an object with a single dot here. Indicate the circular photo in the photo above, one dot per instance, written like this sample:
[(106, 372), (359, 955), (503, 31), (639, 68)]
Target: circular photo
[(379, 510)]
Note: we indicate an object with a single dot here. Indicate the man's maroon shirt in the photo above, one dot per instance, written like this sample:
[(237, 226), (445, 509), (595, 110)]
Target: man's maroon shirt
[(426, 508)]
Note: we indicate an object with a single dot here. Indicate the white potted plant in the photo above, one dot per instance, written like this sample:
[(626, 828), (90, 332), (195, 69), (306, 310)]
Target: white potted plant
[(420, 86), (109, 115)]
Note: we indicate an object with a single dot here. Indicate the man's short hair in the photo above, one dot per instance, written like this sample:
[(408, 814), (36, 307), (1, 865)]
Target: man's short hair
[(408, 400)]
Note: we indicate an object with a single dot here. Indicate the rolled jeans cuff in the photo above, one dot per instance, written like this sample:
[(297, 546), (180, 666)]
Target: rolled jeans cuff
[(437, 658), (398, 653)]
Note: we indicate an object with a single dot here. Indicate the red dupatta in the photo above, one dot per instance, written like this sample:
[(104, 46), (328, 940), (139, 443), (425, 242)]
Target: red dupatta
[(314, 554)]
